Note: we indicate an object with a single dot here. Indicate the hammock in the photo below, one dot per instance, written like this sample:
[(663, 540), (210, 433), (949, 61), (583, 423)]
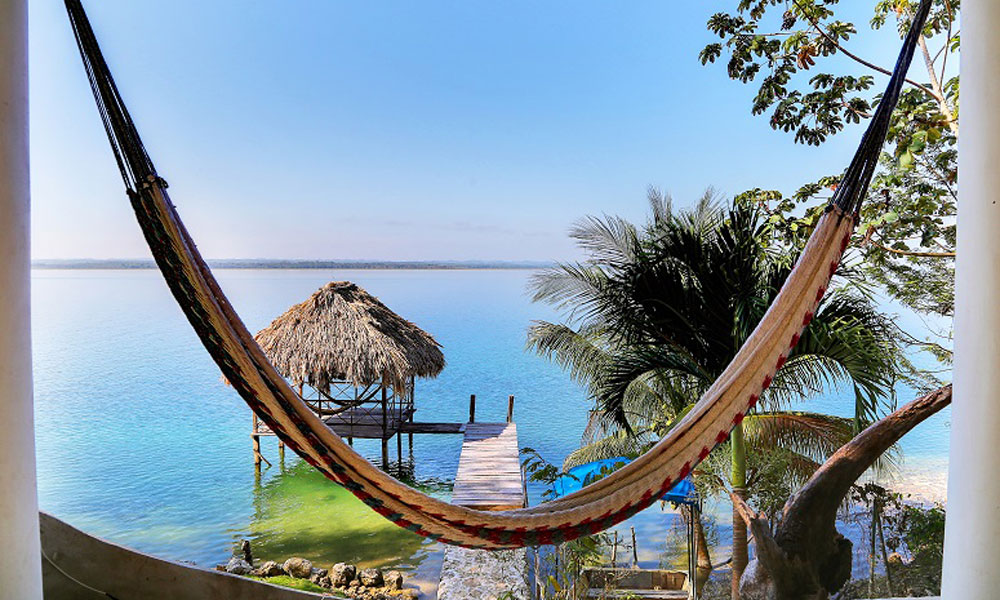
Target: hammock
[(592, 509)]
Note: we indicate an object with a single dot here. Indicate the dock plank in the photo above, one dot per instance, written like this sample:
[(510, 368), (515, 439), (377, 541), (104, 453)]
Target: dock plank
[(489, 470)]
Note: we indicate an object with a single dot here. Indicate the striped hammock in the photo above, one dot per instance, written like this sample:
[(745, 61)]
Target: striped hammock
[(590, 510)]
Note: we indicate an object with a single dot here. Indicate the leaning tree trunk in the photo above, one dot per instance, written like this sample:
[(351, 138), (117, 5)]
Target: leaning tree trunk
[(806, 558)]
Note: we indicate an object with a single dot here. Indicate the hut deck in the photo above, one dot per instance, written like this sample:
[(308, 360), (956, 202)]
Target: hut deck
[(363, 424), (432, 428), (489, 470)]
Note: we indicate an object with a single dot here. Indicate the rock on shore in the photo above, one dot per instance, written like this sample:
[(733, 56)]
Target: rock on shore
[(362, 584), (298, 567)]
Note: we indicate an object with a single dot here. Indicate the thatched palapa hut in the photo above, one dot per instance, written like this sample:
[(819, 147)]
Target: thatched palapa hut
[(352, 359)]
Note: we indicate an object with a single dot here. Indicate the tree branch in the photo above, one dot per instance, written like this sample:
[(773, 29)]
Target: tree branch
[(936, 84), (827, 487), (741, 506), (855, 57), (947, 41), (911, 252), (807, 558)]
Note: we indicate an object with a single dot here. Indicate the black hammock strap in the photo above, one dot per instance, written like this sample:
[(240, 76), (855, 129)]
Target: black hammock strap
[(853, 186)]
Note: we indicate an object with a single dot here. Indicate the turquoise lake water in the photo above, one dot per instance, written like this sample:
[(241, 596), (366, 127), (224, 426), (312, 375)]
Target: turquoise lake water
[(140, 442)]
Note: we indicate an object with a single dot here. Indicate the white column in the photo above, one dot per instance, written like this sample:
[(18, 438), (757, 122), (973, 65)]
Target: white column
[(973, 525), (20, 563)]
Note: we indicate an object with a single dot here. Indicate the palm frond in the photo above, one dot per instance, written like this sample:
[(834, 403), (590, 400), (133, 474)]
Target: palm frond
[(812, 435), (607, 239), (579, 352), (617, 444)]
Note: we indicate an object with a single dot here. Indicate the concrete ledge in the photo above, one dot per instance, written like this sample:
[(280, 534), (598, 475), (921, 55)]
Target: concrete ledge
[(129, 575)]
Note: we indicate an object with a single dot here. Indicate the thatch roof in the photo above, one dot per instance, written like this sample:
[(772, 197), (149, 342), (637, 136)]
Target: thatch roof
[(343, 333)]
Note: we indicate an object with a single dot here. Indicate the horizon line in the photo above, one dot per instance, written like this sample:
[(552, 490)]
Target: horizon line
[(280, 263)]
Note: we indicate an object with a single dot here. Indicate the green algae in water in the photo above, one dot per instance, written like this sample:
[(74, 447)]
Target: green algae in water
[(299, 512), (298, 584)]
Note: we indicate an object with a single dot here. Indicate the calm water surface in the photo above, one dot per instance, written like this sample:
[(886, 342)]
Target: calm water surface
[(140, 442)]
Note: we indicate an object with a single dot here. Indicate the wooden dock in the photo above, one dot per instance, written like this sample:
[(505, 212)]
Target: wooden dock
[(489, 468), (489, 478)]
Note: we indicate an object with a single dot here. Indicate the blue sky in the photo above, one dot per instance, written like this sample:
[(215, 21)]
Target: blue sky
[(460, 130)]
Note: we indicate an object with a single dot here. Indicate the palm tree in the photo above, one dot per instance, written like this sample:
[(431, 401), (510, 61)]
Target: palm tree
[(656, 312)]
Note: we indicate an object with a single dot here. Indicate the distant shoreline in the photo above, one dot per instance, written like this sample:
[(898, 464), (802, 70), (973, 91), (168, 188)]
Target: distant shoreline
[(246, 263)]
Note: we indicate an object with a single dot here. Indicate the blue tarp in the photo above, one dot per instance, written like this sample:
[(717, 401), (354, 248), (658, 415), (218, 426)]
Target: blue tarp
[(587, 473)]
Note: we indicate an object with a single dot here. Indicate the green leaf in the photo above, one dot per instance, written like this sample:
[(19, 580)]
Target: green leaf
[(906, 160)]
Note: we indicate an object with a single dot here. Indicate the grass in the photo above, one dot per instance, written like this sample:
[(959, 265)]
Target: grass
[(297, 584)]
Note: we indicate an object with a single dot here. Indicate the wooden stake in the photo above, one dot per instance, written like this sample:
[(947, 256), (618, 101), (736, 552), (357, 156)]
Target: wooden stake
[(510, 409), (538, 572), (635, 551), (614, 550), (410, 435), (472, 408)]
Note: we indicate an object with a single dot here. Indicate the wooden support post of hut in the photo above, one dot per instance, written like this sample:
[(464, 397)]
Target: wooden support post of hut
[(410, 420), (255, 439), (385, 430), (353, 361)]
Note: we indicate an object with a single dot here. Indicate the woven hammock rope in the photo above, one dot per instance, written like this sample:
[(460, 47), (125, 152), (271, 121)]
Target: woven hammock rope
[(597, 506)]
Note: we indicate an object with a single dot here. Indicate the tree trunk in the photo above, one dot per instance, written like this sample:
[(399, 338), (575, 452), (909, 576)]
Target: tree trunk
[(806, 558), (738, 480), (704, 565), (704, 558)]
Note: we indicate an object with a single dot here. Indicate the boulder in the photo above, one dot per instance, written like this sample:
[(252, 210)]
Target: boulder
[(371, 578), (238, 566), (298, 567), (411, 593), (269, 569), (394, 580), (341, 574)]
